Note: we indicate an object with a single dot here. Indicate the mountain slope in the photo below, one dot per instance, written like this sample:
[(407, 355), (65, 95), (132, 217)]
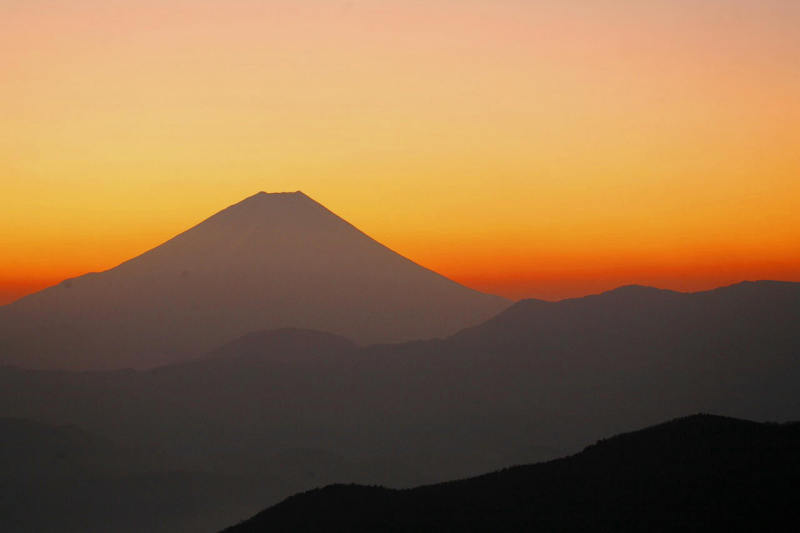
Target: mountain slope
[(34, 451), (64, 479), (538, 381), (541, 376), (695, 473), (270, 261)]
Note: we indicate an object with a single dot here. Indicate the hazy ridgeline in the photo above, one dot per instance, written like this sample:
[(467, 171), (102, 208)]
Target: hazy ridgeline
[(277, 412), (699, 473), (245, 414)]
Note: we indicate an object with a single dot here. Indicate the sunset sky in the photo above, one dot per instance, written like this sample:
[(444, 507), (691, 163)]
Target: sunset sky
[(527, 148)]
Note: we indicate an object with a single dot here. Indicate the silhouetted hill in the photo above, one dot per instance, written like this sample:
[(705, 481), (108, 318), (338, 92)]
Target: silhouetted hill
[(624, 312), (32, 450), (288, 343), (270, 261), (540, 380), (698, 473), (539, 376), (64, 479)]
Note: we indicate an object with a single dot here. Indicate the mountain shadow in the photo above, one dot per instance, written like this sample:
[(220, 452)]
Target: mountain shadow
[(698, 473), (270, 261)]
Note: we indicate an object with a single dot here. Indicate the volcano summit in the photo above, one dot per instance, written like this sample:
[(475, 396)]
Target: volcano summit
[(269, 261)]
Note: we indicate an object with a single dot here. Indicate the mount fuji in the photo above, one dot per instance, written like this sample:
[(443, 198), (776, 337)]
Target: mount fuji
[(269, 261)]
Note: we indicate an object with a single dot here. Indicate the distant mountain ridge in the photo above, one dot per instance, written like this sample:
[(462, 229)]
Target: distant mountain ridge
[(270, 261), (693, 474), (516, 383), (64, 479), (537, 381)]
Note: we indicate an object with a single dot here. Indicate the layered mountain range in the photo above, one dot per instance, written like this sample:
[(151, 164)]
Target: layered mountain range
[(697, 473), (274, 348), (280, 411)]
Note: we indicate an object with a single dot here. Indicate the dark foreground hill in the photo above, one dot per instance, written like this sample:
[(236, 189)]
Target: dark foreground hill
[(283, 411), (269, 261), (698, 473)]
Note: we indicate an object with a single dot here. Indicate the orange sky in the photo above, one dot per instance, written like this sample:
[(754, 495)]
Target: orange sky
[(528, 148)]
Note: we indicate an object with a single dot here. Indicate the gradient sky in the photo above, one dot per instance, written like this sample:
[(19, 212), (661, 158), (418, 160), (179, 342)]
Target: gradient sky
[(528, 148)]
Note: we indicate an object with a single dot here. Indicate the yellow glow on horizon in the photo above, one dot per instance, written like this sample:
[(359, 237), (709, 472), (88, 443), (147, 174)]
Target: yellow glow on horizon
[(531, 148)]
